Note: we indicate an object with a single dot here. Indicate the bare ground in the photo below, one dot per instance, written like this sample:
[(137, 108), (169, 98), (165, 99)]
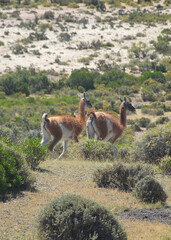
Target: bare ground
[(151, 215)]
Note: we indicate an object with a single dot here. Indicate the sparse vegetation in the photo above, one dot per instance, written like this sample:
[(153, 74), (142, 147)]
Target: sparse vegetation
[(58, 40), (162, 45)]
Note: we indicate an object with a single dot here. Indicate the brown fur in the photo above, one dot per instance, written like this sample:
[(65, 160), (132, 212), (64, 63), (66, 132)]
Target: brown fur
[(73, 124), (101, 123)]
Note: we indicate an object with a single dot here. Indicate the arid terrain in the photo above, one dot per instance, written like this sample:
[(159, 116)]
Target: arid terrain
[(70, 35), (64, 40)]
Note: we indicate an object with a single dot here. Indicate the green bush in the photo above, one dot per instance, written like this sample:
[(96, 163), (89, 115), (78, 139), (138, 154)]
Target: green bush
[(65, 2), (64, 37), (163, 44), (148, 95), (138, 51), (97, 150), (162, 120), (72, 217), (115, 78), (145, 17), (155, 144), (155, 108), (157, 76), (168, 96), (25, 81), (143, 122), (165, 165), (33, 151), (81, 78), (19, 49), (149, 190), (3, 15), (119, 176), (49, 15), (14, 171), (13, 133), (2, 43)]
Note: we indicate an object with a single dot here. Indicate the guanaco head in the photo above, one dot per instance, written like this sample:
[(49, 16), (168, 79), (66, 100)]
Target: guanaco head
[(127, 105), (86, 100)]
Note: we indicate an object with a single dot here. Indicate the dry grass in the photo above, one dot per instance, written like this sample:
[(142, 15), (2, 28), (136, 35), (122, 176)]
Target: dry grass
[(59, 177), (147, 231)]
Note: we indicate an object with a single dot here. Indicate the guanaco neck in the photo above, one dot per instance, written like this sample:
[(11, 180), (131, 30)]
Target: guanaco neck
[(122, 115), (81, 111)]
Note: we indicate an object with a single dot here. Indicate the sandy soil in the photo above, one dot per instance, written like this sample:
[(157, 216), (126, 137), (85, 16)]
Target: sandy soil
[(12, 32)]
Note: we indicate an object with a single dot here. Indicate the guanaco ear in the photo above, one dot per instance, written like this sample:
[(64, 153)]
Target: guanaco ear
[(125, 100), (120, 99), (84, 95), (79, 96)]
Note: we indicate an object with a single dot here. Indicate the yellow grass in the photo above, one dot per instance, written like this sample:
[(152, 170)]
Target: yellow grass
[(137, 230), (60, 177)]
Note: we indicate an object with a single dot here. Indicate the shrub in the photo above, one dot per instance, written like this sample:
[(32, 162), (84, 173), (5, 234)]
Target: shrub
[(97, 150), (162, 45), (49, 15), (157, 76), (81, 78), (33, 151), (19, 49), (64, 37), (119, 176), (13, 133), (3, 15), (138, 51), (14, 172), (2, 43), (168, 96), (149, 190), (162, 120), (155, 144), (65, 2), (115, 78), (24, 81), (143, 122), (148, 95), (165, 165), (72, 217), (151, 125)]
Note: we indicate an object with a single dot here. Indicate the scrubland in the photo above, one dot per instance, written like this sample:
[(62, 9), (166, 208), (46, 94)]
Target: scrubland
[(50, 53)]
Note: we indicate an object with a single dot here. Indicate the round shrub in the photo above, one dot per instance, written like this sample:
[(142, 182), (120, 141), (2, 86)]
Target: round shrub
[(97, 150), (119, 176), (149, 190), (14, 171), (49, 15), (143, 122), (81, 78), (155, 144), (72, 217)]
